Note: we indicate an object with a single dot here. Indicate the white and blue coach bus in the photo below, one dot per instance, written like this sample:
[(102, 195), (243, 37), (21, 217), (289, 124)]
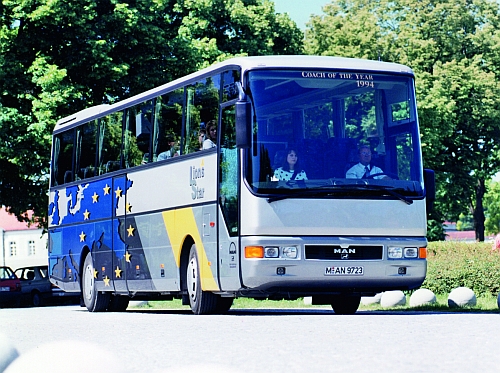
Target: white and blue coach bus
[(275, 208)]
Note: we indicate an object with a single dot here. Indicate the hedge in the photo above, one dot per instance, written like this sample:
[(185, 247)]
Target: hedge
[(451, 264)]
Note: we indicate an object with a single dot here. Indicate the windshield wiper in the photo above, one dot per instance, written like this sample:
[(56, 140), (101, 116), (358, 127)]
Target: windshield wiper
[(306, 192), (331, 189)]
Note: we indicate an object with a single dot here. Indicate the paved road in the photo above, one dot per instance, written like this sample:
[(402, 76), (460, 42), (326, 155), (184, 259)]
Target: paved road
[(251, 341)]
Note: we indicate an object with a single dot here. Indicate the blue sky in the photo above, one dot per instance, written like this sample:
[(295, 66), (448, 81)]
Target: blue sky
[(300, 10)]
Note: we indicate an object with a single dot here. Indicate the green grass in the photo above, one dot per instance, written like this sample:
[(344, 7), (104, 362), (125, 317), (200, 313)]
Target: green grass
[(484, 304)]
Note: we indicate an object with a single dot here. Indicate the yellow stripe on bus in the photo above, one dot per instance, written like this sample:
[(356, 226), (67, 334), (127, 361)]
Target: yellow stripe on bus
[(179, 224)]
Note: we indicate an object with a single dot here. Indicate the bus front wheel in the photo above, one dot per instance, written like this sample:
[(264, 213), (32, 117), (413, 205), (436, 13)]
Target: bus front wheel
[(345, 304), (201, 302), (94, 300), (118, 303)]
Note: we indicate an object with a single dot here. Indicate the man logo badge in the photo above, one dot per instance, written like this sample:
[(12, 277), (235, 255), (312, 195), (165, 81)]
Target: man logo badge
[(344, 256)]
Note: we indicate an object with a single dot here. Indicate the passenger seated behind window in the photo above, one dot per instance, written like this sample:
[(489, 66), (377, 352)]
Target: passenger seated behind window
[(364, 169), (202, 135), (291, 168), (171, 152), (211, 140)]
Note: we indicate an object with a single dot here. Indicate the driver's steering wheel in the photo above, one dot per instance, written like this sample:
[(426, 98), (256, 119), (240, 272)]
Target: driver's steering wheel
[(388, 174)]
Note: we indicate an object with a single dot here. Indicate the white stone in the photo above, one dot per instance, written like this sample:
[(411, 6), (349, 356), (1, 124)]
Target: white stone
[(371, 300), (393, 298), (308, 301), (205, 368), (8, 352), (422, 297), (461, 297), (67, 356)]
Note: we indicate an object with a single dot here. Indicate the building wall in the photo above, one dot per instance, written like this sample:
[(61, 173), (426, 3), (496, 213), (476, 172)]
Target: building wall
[(23, 248)]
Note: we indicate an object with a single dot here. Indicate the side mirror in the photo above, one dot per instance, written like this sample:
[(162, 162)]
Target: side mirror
[(243, 124), (430, 188)]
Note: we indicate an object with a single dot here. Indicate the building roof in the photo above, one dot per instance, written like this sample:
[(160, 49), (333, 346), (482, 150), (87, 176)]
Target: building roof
[(454, 235), (9, 222)]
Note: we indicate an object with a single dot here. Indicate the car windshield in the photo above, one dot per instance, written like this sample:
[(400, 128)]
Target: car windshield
[(6, 273), (333, 132)]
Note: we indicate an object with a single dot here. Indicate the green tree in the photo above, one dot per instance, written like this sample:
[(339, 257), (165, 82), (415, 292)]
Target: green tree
[(59, 56), (492, 203), (453, 48)]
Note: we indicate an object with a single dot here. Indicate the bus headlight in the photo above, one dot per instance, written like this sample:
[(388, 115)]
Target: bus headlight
[(411, 252), (271, 252), (394, 252), (290, 252)]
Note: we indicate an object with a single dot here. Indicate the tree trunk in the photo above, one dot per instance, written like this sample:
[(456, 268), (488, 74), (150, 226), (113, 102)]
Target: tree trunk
[(478, 212)]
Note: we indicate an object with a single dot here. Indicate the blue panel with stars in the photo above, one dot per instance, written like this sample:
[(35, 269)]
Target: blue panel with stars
[(81, 203)]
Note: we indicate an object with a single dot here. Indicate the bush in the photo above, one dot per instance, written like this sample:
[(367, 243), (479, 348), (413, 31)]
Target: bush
[(451, 264)]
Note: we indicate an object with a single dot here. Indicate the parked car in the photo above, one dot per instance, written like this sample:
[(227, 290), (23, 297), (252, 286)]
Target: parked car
[(10, 287), (37, 289)]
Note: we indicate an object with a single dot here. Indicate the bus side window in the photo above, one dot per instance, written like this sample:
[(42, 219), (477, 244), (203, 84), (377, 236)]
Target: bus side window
[(202, 107), (110, 141), (85, 154), (137, 134), (63, 158), (168, 125), (229, 170)]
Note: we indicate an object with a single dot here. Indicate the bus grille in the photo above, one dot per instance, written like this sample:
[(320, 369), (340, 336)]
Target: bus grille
[(335, 252)]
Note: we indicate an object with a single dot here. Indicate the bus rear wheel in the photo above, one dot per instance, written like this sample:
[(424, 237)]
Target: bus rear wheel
[(201, 302), (345, 304), (94, 300)]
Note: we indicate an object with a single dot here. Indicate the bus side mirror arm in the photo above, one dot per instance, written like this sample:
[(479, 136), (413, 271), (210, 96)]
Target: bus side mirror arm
[(243, 120), (430, 189)]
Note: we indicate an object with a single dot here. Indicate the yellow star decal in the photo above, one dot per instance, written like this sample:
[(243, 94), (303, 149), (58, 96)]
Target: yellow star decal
[(130, 231), (118, 192), (95, 198), (118, 272), (95, 273), (86, 215), (129, 207), (106, 281), (82, 237), (127, 257), (106, 189)]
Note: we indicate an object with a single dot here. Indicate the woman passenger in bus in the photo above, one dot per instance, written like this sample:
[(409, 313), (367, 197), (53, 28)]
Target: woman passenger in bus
[(291, 169), (211, 140), (202, 135)]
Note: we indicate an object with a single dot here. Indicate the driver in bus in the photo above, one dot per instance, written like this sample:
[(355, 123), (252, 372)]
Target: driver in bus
[(364, 169)]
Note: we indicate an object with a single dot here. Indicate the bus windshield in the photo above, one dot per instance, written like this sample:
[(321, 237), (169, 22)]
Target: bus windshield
[(334, 132)]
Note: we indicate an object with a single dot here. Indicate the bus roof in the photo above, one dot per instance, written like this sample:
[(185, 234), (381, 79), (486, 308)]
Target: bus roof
[(246, 63)]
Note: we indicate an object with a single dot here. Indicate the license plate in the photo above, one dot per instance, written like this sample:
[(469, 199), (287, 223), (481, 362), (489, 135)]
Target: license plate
[(344, 271), (4, 288)]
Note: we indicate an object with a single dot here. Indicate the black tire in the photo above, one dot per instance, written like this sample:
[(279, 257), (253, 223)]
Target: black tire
[(36, 299), (118, 303), (201, 302), (94, 301), (223, 304), (345, 304)]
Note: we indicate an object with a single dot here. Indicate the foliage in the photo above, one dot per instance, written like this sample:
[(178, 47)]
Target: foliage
[(59, 56), (435, 228), (492, 202), (465, 222), (472, 264), (453, 48)]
